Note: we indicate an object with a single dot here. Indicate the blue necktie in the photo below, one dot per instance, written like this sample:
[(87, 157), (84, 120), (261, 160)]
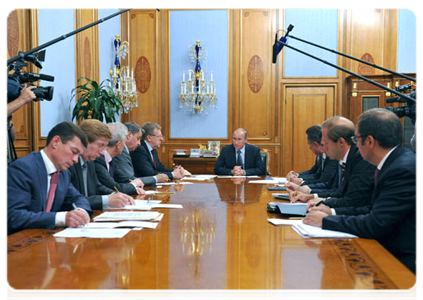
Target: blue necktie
[(239, 159)]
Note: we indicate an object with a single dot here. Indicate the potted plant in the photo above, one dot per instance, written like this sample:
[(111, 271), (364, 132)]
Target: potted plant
[(95, 101)]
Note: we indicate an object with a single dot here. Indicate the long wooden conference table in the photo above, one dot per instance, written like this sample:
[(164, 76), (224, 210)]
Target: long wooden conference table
[(220, 239)]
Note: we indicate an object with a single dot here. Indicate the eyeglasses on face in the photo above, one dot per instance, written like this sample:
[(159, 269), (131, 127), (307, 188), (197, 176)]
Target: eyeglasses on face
[(355, 138), (159, 136)]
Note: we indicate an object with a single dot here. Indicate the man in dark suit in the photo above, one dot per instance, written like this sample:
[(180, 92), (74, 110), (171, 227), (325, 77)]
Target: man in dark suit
[(124, 172), (390, 218), (356, 181), (324, 172), (83, 173), (145, 158), (105, 165), (40, 193), (240, 158)]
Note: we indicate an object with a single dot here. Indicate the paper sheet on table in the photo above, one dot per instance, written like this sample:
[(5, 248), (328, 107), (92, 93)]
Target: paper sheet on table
[(143, 224), (129, 216), (173, 183), (93, 233), (147, 205), (270, 180), (308, 231), (279, 222), (230, 176), (199, 177)]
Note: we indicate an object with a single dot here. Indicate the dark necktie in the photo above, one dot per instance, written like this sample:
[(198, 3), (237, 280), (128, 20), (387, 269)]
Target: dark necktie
[(376, 174), (343, 166), (84, 176), (53, 185), (239, 159), (111, 168), (154, 159)]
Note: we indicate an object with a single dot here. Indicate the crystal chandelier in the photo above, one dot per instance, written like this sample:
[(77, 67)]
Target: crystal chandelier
[(198, 95), (124, 85)]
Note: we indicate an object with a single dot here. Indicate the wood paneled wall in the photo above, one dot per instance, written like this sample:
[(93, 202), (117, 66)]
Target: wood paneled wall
[(258, 94)]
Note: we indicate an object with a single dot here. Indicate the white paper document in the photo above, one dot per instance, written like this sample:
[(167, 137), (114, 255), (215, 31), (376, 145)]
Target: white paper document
[(270, 180), (129, 216), (231, 176), (126, 224), (199, 177), (308, 231), (147, 205), (279, 222), (174, 183), (93, 233)]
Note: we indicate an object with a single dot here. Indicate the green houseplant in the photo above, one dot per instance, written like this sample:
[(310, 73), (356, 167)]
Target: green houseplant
[(95, 101)]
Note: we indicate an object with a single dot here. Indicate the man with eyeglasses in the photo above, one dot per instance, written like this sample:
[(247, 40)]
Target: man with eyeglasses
[(145, 158), (390, 217), (356, 176), (83, 173)]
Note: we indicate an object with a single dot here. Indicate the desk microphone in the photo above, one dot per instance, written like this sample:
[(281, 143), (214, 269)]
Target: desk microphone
[(277, 47)]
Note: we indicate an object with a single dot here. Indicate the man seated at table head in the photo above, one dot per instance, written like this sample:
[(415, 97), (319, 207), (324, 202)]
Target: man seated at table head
[(356, 175), (105, 165), (145, 158), (324, 171), (125, 170), (84, 176), (390, 218), (240, 158), (39, 188)]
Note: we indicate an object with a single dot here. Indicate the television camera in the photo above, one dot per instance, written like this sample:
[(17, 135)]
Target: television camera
[(409, 109), (16, 79)]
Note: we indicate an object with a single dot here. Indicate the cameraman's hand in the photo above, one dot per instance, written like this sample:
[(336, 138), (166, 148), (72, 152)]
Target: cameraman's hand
[(27, 94)]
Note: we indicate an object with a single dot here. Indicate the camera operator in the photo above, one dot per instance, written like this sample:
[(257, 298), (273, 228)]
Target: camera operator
[(26, 95)]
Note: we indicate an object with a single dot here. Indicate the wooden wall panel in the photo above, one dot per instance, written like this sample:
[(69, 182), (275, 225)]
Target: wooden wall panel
[(373, 39), (305, 106), (256, 106), (143, 58), (18, 27)]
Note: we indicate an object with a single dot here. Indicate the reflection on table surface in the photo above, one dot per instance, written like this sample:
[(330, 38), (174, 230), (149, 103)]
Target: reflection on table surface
[(221, 239)]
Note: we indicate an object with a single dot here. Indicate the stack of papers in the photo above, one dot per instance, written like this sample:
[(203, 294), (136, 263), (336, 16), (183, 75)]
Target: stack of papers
[(199, 177), (129, 216), (147, 205), (308, 231), (92, 233)]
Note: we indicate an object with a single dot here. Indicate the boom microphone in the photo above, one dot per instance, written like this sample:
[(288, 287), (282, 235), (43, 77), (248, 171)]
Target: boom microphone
[(277, 47)]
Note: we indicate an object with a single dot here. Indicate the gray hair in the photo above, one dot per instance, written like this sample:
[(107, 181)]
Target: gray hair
[(119, 132), (148, 129), (133, 127)]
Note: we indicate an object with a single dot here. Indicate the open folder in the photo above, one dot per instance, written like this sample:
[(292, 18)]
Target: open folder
[(291, 209)]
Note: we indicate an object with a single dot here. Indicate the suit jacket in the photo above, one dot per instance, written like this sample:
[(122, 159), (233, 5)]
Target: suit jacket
[(124, 170), (27, 195), (94, 188), (253, 164), (107, 179), (144, 165), (315, 169), (357, 183), (390, 218), (325, 175)]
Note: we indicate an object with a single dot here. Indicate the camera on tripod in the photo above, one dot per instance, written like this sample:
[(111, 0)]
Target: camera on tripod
[(17, 78), (409, 109)]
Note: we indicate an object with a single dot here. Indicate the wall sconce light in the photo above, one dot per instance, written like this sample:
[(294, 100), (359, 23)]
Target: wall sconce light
[(197, 95)]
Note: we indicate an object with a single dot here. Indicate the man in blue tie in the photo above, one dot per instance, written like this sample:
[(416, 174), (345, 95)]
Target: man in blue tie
[(240, 158)]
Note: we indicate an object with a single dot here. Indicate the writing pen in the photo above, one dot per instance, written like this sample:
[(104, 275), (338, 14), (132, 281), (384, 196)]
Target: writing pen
[(76, 207), (318, 203), (296, 191), (116, 189)]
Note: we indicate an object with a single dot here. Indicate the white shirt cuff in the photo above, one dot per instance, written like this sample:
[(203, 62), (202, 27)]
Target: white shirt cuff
[(60, 220)]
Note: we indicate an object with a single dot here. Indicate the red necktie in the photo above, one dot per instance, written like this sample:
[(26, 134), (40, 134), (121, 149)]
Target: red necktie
[(154, 159), (53, 185)]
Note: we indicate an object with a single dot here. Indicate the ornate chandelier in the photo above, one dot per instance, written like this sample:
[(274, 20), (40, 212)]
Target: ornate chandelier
[(124, 85), (198, 95)]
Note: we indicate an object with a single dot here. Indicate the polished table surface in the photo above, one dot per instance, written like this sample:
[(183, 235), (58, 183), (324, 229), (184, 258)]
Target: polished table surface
[(221, 239)]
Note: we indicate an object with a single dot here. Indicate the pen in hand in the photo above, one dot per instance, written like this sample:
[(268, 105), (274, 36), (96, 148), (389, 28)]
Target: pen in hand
[(296, 191)]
